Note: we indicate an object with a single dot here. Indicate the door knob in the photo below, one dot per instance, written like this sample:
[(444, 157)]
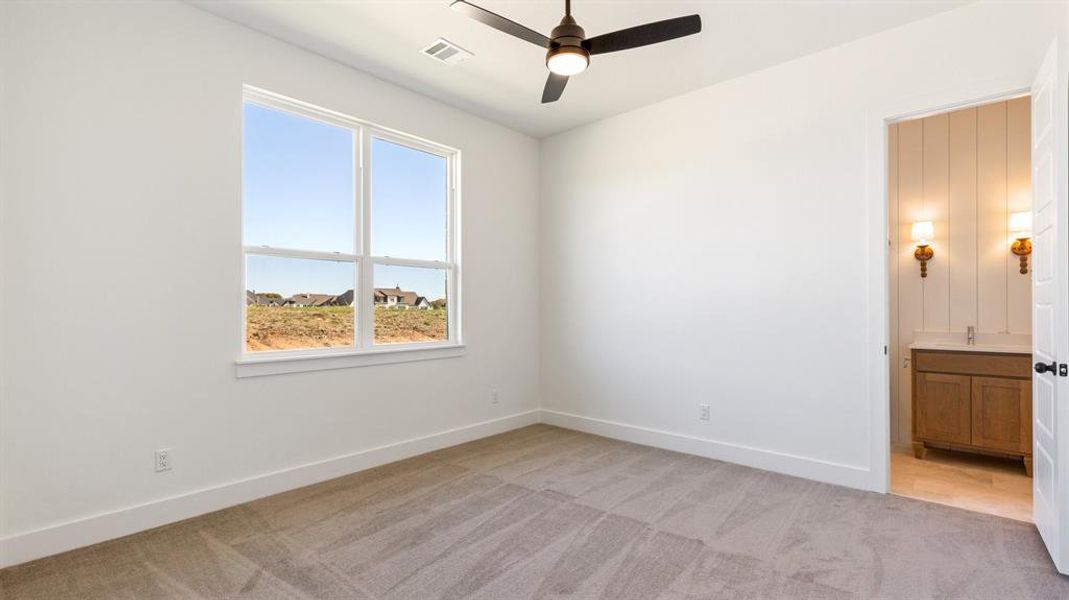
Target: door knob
[(1045, 368)]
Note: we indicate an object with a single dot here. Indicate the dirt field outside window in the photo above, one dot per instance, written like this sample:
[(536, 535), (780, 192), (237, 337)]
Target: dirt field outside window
[(291, 328)]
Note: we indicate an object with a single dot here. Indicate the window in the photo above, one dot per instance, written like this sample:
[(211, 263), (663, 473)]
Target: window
[(349, 235)]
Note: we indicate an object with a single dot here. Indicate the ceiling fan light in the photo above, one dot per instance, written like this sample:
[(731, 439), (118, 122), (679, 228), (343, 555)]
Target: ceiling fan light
[(568, 60)]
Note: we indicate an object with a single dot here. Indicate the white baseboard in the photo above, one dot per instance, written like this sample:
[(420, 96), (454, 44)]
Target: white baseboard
[(788, 464), (31, 545)]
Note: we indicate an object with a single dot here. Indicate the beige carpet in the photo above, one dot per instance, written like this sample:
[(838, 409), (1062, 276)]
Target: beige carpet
[(549, 513)]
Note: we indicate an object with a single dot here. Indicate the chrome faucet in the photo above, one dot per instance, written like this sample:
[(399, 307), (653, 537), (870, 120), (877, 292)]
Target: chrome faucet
[(971, 335)]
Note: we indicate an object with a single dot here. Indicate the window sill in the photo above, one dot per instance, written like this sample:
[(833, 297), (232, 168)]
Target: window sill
[(278, 363)]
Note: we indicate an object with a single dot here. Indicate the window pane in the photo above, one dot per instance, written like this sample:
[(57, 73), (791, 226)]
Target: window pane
[(408, 202), (298, 182), (410, 305), (293, 303)]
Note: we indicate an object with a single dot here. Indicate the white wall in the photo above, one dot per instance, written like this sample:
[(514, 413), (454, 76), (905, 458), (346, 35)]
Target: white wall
[(120, 184), (723, 240)]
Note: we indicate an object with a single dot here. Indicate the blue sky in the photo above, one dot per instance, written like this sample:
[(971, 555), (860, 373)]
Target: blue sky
[(299, 189)]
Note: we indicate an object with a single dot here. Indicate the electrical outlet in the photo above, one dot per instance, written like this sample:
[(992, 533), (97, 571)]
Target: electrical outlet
[(493, 396), (703, 412), (163, 460)]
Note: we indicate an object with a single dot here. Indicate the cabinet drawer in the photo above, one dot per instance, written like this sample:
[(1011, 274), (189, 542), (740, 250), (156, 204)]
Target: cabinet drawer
[(973, 363)]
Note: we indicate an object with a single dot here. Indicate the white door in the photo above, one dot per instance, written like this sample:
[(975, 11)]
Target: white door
[(1050, 308)]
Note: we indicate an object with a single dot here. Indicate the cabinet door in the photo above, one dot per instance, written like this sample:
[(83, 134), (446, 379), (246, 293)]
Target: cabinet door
[(941, 408), (1002, 414)]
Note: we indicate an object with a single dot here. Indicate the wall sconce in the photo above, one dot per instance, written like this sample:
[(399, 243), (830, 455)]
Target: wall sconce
[(1021, 229), (922, 235)]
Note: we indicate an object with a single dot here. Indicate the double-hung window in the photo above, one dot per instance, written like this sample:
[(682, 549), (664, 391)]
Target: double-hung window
[(349, 235)]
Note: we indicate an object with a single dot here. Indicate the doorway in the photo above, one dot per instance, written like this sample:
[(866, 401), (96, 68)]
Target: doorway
[(959, 209)]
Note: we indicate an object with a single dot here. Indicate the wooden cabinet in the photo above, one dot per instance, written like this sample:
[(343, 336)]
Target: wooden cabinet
[(973, 401)]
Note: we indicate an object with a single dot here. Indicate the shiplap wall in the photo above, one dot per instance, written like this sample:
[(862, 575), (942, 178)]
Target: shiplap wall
[(965, 171)]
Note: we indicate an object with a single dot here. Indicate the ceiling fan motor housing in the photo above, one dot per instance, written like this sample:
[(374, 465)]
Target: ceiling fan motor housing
[(567, 37)]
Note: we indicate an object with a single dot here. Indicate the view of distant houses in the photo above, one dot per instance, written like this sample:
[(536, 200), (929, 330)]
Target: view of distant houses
[(391, 297)]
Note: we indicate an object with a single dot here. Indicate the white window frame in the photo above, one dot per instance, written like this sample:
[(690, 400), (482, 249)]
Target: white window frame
[(363, 351)]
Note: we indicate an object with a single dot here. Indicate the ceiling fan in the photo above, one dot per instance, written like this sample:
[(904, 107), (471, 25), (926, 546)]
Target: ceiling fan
[(569, 49)]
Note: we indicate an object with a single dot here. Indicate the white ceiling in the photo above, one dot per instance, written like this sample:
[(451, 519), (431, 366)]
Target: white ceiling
[(503, 82)]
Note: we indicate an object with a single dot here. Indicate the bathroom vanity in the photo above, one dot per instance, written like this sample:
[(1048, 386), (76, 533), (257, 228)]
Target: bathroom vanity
[(973, 398)]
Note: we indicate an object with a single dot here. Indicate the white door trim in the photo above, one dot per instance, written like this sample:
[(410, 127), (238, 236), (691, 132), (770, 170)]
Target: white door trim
[(879, 310)]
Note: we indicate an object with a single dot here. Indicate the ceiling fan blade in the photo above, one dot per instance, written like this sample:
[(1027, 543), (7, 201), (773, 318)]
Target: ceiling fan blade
[(644, 35), (554, 88), (500, 23)]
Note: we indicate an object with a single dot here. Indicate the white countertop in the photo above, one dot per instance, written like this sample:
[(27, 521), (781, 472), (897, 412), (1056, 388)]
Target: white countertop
[(948, 341), (958, 347)]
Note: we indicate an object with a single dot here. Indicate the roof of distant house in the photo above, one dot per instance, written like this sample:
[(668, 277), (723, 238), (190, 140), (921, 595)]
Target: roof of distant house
[(311, 299), (262, 298), (409, 298)]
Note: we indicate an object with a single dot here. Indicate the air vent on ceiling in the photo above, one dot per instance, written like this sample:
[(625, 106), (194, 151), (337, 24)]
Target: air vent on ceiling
[(447, 52)]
